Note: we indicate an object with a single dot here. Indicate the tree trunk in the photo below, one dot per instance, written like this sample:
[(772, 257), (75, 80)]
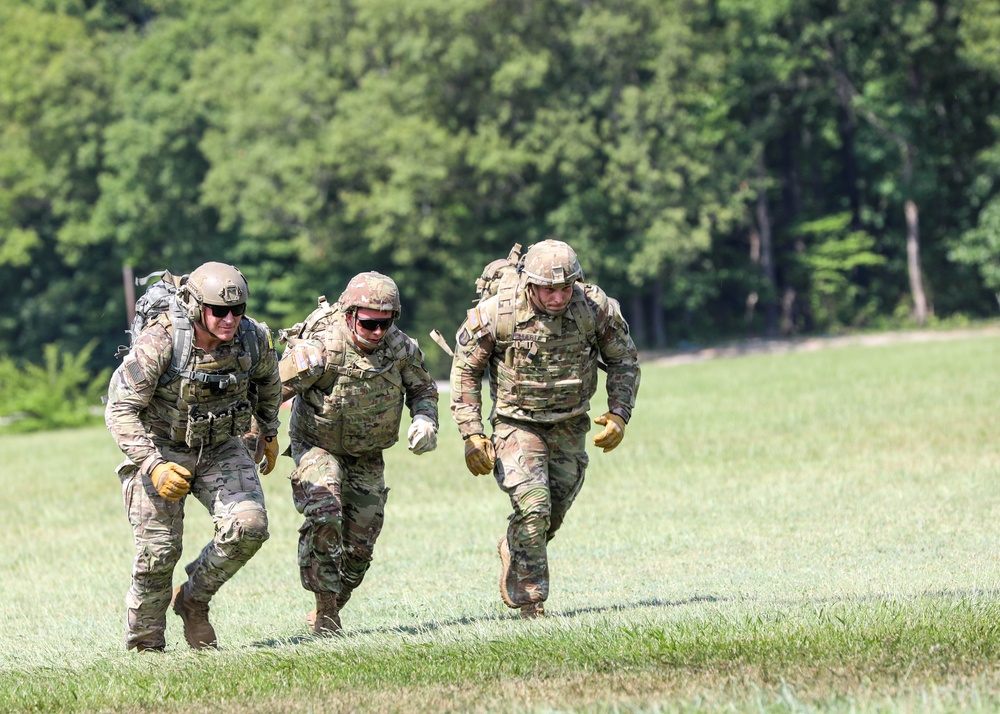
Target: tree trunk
[(766, 252), (637, 323), (913, 263), (656, 314), (128, 280)]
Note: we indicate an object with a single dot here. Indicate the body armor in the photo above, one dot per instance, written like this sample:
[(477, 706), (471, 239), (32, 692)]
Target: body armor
[(357, 405), (548, 370), (210, 400)]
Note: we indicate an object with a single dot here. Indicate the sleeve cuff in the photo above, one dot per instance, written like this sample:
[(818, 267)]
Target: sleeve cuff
[(622, 412)]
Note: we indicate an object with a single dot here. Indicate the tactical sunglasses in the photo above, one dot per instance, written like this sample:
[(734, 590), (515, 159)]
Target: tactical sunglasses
[(221, 311), (372, 325)]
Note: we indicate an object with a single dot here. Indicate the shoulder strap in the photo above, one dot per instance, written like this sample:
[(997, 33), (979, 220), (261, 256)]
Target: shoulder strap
[(506, 306), (336, 353), (183, 338), (398, 344), (249, 338), (183, 346), (583, 314)]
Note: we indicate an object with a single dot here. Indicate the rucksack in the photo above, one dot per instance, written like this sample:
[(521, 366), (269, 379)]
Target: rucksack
[(314, 327), (161, 297), (502, 277), (497, 272)]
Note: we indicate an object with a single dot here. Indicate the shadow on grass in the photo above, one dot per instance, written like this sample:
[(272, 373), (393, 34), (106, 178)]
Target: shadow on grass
[(436, 625), (433, 626)]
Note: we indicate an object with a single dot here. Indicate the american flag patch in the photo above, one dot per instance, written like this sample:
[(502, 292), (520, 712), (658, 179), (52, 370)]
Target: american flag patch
[(134, 373)]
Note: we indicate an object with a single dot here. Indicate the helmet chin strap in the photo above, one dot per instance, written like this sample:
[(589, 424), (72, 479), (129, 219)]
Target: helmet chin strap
[(367, 344), (364, 342)]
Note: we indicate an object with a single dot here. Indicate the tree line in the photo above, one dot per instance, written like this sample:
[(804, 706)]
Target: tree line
[(723, 167)]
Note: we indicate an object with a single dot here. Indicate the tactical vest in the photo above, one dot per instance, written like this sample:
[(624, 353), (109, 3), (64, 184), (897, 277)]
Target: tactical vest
[(208, 401), (546, 374), (355, 407)]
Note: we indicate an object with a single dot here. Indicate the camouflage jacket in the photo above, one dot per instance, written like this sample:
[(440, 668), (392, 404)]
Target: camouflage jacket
[(141, 415), (545, 371), (347, 401)]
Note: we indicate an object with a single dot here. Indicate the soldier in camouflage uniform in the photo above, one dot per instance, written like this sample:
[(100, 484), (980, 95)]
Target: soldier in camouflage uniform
[(184, 433), (542, 339), (350, 370)]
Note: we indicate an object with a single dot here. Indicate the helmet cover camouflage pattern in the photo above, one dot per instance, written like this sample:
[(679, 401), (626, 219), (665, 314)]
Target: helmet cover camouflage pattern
[(373, 291), (217, 284), (551, 263)]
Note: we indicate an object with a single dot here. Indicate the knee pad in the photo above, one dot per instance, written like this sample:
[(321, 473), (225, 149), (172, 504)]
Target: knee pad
[(243, 532), (535, 511), (325, 537)]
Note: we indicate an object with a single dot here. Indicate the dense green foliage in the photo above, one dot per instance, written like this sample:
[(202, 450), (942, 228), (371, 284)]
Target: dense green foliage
[(59, 393), (724, 167)]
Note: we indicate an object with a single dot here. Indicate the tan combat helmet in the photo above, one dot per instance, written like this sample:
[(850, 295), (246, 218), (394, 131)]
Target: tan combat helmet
[(214, 284), (551, 263), (373, 291)]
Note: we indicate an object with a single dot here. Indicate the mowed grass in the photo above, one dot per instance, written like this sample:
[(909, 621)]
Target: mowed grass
[(797, 532)]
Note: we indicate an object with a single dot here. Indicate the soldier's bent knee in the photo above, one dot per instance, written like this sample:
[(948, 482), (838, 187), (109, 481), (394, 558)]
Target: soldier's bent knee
[(253, 524), (535, 511), (325, 538), (534, 501), (242, 533)]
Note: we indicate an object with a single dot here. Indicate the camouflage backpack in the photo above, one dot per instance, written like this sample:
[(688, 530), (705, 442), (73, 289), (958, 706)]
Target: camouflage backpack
[(502, 271), (161, 298), (502, 277), (316, 328)]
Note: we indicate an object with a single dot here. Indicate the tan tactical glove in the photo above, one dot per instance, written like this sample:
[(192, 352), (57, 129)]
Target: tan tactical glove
[(614, 431), (171, 480), (270, 454), (479, 454)]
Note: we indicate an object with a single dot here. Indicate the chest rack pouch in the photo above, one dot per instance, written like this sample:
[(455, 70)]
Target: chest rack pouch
[(215, 427)]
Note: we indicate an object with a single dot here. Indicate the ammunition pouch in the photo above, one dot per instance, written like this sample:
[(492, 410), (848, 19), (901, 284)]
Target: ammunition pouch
[(216, 427)]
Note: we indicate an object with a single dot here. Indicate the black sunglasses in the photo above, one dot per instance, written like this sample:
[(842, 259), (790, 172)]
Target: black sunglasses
[(371, 325), (223, 310)]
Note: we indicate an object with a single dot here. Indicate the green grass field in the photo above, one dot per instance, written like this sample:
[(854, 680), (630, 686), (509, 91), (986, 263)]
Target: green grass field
[(798, 532)]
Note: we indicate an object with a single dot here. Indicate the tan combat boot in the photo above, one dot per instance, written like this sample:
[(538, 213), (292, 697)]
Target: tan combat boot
[(325, 619), (198, 631), (504, 549), (532, 611)]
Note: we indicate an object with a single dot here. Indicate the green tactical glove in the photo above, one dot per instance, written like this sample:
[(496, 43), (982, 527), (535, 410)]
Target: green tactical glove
[(479, 454), (171, 480), (614, 431), (270, 454)]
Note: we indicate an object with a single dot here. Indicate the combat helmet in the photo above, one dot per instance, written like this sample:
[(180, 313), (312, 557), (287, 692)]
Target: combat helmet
[(214, 284), (551, 263), (370, 290)]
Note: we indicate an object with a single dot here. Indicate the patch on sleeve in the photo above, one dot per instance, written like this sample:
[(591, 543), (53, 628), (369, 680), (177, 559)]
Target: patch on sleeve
[(135, 375), (475, 321), (464, 337), (301, 360)]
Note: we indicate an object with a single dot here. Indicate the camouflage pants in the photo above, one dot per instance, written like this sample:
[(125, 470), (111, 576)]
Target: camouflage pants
[(541, 468), (343, 501), (225, 481)]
